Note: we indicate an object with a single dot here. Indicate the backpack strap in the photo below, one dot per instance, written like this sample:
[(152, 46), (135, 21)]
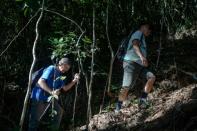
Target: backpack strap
[(54, 76)]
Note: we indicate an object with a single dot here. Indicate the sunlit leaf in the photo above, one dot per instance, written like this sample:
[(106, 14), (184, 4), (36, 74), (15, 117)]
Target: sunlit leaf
[(26, 11), (87, 40), (61, 39)]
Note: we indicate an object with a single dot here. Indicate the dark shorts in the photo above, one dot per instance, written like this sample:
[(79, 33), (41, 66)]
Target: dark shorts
[(133, 71), (37, 110)]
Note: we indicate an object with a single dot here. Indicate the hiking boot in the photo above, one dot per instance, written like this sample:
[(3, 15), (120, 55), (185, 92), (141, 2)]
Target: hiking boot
[(143, 103), (118, 107)]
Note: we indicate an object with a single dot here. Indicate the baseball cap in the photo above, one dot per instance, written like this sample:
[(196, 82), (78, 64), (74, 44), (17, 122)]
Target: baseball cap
[(64, 61)]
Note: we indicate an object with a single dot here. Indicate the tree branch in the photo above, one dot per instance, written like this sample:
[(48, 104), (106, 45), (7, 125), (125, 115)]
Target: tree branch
[(53, 12), (19, 32)]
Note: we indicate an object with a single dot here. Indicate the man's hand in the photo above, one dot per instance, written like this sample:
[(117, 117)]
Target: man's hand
[(144, 61), (71, 84), (55, 92), (76, 78)]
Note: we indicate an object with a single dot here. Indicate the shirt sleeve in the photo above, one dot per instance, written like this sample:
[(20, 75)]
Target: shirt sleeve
[(48, 72), (136, 36)]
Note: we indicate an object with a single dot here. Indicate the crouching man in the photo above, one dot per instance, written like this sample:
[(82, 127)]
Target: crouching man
[(49, 84)]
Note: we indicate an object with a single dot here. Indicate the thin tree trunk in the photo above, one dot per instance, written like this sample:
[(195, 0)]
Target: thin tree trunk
[(89, 112), (26, 101), (108, 84), (111, 51), (80, 64), (80, 70)]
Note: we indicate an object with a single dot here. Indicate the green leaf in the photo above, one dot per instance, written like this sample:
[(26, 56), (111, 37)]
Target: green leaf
[(58, 32), (87, 40), (61, 39), (56, 41), (18, 0), (26, 11), (72, 34), (63, 78), (83, 54)]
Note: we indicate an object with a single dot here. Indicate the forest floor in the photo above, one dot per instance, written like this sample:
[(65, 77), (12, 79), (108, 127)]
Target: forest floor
[(171, 110)]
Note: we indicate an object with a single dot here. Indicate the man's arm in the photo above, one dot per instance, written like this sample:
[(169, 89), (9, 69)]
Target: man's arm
[(72, 83), (44, 85), (68, 86), (136, 44)]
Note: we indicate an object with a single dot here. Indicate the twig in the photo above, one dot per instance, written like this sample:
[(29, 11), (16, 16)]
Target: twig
[(54, 12), (160, 44), (31, 70), (19, 33), (46, 109), (194, 76)]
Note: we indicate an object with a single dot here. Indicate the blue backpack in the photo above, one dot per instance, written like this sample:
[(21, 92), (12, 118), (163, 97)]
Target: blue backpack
[(36, 76)]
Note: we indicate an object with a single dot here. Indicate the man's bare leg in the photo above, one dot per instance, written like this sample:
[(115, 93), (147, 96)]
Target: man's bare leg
[(149, 85), (147, 89), (123, 95)]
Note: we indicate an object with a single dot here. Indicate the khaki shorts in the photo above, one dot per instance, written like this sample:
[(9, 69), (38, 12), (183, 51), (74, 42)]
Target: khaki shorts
[(133, 71)]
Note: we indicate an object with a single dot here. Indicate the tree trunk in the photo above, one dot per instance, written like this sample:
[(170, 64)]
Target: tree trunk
[(26, 101), (89, 112)]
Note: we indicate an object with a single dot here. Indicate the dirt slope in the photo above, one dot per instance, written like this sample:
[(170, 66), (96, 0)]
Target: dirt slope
[(170, 111)]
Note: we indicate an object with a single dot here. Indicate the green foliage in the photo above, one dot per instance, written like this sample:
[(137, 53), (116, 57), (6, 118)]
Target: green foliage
[(66, 44), (28, 6)]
